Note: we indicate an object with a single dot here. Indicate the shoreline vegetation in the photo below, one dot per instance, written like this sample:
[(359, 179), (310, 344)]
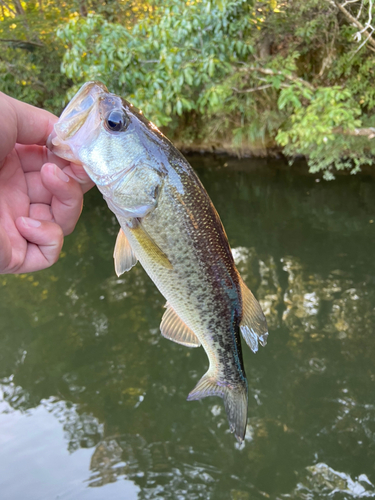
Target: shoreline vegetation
[(244, 77)]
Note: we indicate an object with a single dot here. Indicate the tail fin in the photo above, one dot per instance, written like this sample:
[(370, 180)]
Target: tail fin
[(235, 401)]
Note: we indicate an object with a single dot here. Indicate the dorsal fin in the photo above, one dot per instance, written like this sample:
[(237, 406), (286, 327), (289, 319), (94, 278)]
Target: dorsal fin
[(253, 325), (173, 328), (123, 254)]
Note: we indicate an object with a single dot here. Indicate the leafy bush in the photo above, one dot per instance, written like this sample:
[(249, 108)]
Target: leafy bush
[(30, 56), (296, 74)]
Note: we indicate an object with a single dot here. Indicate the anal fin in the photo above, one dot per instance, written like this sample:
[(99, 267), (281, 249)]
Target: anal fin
[(123, 254), (173, 328), (253, 325)]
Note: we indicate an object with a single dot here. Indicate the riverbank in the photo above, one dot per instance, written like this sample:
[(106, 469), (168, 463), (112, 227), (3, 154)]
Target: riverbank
[(255, 149), (271, 160)]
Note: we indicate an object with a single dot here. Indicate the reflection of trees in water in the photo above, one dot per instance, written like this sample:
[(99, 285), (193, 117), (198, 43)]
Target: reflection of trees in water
[(154, 468), (106, 355), (87, 344), (333, 307), (131, 458), (309, 305), (321, 481)]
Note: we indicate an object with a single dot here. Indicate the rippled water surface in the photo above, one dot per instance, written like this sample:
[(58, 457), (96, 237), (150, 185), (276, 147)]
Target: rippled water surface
[(93, 399)]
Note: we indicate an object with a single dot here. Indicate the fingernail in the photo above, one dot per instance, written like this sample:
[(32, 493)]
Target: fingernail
[(61, 175), (30, 222)]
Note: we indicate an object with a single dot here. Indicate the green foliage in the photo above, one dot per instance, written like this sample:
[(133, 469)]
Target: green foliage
[(31, 54), (172, 61), (236, 73), (312, 129), (30, 57)]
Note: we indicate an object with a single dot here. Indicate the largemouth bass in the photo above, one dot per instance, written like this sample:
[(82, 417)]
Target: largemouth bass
[(170, 225)]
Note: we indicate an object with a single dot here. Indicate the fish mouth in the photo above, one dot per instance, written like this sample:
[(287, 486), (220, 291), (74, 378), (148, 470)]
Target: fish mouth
[(73, 117), (80, 124)]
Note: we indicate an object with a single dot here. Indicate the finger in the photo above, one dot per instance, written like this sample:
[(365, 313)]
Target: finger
[(6, 250), (67, 200), (33, 124), (36, 190), (41, 211), (78, 173), (8, 127), (33, 157), (45, 240)]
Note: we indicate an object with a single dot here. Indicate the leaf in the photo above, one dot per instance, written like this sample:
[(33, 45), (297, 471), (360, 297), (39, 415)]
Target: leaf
[(276, 82), (179, 107)]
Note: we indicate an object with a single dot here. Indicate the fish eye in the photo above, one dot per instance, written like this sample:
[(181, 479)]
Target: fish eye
[(116, 121)]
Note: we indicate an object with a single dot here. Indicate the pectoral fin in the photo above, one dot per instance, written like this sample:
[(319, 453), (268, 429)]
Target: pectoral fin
[(253, 325), (149, 245), (173, 328), (123, 254)]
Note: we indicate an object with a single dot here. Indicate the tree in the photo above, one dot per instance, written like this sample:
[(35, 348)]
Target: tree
[(296, 74), (292, 73), (30, 56)]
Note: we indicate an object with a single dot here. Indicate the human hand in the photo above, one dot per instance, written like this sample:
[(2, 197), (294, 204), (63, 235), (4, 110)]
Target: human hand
[(41, 195)]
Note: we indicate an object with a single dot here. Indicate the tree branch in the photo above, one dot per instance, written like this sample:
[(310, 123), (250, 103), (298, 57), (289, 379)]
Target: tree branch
[(255, 89), (363, 132), (19, 8), (353, 20), (21, 42), (271, 72), (262, 87), (4, 4)]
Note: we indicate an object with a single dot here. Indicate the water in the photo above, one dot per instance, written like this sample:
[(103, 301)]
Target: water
[(93, 399)]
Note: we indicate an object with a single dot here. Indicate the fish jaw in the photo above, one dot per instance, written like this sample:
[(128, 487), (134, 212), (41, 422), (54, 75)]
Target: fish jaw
[(72, 120), (76, 112)]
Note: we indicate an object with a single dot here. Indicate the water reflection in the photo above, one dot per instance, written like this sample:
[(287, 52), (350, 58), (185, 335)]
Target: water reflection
[(322, 481), (85, 346)]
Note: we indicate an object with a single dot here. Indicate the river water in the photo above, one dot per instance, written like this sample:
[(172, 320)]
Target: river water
[(93, 399)]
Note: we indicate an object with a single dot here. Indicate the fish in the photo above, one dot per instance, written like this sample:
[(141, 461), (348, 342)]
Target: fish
[(169, 224)]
